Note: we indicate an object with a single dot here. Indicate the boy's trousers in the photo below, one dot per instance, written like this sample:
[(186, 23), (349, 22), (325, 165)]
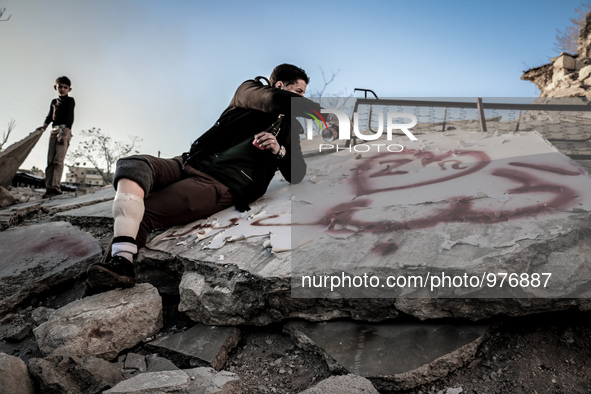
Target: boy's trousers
[(173, 195), (56, 156)]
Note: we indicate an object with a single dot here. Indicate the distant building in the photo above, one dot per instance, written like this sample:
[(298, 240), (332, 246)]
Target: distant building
[(33, 178), (84, 176), (34, 171), (27, 178)]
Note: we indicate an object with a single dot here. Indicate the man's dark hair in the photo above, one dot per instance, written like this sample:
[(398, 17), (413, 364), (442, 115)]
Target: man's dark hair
[(63, 79), (288, 74)]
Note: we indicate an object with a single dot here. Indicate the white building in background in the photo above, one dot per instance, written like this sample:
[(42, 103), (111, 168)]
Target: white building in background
[(84, 176)]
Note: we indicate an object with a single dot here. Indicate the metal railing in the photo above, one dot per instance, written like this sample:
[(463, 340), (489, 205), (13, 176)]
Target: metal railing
[(479, 105)]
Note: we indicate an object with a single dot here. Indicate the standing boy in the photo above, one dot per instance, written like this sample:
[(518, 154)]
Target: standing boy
[(61, 115)]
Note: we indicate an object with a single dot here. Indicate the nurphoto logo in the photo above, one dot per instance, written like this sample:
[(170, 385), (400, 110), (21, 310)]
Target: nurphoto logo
[(343, 130)]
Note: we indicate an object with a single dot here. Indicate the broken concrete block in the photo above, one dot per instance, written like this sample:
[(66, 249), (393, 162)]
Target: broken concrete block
[(153, 382), (14, 376), (69, 374), (135, 361), (159, 364), (104, 324), (13, 214), (351, 384), (200, 345), (394, 356), (226, 298), (190, 381), (565, 61), (40, 256)]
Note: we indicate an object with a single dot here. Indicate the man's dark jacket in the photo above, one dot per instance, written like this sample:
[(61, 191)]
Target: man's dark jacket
[(254, 108)]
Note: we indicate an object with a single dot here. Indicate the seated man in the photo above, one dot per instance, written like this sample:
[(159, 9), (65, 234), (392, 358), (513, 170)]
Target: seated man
[(231, 164)]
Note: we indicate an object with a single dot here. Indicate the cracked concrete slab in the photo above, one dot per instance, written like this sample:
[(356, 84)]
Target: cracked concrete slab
[(459, 203), (68, 201), (38, 257), (394, 356), (99, 214), (200, 345)]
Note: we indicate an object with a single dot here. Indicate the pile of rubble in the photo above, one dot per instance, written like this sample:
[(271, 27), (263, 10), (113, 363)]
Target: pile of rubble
[(568, 75), (18, 195)]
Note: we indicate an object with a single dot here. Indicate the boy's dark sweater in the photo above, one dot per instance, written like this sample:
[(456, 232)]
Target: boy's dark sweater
[(61, 111)]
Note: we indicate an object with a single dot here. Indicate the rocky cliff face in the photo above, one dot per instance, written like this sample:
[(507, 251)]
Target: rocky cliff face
[(567, 75)]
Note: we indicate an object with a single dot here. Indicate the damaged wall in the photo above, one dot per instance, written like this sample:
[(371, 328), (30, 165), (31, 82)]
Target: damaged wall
[(567, 75)]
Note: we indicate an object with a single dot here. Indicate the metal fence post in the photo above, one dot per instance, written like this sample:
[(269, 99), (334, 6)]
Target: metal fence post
[(481, 114)]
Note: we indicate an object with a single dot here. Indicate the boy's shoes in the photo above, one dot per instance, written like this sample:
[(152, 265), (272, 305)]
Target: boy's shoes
[(110, 274)]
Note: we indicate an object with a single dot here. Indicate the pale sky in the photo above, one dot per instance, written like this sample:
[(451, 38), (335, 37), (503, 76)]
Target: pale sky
[(165, 70)]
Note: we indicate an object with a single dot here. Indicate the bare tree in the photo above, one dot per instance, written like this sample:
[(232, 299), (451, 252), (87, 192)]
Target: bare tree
[(102, 152), (2, 11), (341, 100), (6, 134), (568, 39), (330, 100)]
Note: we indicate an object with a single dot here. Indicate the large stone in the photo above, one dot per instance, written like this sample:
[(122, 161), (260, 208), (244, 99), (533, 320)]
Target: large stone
[(104, 324), (499, 210), (350, 384), (191, 381), (14, 376), (38, 257), (69, 374), (198, 346), (394, 356)]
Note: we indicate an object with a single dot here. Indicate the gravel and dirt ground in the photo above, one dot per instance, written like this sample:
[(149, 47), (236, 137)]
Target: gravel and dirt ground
[(545, 353)]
